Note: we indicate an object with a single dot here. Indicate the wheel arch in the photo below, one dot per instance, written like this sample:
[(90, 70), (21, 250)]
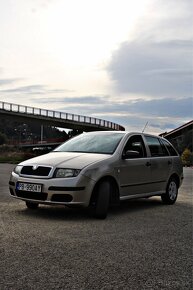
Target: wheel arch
[(114, 188), (176, 177)]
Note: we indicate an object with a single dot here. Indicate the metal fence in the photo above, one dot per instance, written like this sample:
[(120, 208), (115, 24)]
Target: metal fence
[(59, 115)]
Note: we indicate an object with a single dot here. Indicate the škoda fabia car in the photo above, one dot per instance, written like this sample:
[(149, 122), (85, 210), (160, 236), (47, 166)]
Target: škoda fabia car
[(98, 169)]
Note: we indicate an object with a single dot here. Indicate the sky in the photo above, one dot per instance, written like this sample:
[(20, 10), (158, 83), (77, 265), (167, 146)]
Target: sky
[(125, 61)]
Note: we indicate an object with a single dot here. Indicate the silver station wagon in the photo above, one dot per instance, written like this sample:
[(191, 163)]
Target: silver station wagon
[(98, 169)]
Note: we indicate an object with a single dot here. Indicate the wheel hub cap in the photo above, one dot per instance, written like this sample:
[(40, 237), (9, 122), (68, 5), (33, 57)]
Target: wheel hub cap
[(172, 190)]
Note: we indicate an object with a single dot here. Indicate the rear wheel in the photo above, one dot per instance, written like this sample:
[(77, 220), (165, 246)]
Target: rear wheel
[(101, 203), (31, 205), (171, 192)]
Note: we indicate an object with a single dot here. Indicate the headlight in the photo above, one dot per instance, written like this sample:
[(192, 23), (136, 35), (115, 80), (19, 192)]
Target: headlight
[(17, 169), (66, 172)]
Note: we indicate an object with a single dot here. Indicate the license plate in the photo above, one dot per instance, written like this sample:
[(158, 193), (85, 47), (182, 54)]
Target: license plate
[(32, 187)]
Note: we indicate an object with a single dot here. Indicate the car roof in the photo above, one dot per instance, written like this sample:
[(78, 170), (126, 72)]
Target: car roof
[(125, 133)]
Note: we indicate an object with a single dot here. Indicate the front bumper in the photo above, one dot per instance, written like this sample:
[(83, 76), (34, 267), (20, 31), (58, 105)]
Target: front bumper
[(55, 191)]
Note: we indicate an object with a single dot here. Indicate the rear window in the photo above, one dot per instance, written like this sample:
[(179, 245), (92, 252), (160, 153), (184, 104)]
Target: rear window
[(170, 148), (156, 148)]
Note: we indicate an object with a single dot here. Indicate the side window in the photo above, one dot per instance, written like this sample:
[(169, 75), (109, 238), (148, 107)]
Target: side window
[(171, 150), (156, 148), (135, 143)]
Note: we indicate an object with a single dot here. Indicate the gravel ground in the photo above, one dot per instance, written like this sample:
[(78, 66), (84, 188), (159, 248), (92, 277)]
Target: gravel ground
[(143, 244)]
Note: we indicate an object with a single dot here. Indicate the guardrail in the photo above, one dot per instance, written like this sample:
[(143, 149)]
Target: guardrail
[(59, 115)]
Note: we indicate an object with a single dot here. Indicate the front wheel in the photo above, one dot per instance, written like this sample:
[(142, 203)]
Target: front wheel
[(31, 205), (171, 192), (102, 200)]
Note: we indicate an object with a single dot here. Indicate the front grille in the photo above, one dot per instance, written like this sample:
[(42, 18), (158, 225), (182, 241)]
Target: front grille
[(39, 171), (32, 195), (62, 197)]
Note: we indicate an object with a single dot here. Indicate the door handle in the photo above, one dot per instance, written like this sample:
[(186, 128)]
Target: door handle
[(148, 164), (169, 162)]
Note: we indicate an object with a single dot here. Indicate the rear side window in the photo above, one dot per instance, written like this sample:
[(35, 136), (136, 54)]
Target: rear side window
[(156, 148), (171, 150)]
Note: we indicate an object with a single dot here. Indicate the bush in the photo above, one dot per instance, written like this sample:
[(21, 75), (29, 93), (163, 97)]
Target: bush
[(8, 148), (15, 156), (187, 157)]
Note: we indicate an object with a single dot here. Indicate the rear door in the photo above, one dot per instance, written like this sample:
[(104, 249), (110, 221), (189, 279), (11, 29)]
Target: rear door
[(161, 163)]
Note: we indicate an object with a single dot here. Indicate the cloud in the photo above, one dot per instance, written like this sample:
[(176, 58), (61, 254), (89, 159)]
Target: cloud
[(77, 100), (34, 89), (164, 107), (166, 20), (157, 61), (26, 89), (161, 114), (158, 108), (155, 69), (38, 5), (8, 81), (151, 71)]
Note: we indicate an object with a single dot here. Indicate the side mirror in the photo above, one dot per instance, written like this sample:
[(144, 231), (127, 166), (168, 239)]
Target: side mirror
[(129, 154)]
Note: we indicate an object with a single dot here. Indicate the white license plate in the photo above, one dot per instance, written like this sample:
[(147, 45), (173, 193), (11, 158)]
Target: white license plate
[(29, 187)]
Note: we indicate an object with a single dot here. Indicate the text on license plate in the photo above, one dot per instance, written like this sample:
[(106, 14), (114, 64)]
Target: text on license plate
[(29, 187)]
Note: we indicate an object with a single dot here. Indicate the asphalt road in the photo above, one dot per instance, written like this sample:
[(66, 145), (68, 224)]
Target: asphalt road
[(143, 244)]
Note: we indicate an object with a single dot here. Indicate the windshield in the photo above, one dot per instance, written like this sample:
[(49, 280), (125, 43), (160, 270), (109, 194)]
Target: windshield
[(104, 143)]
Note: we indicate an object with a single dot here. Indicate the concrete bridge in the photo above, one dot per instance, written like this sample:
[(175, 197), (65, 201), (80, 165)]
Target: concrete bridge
[(56, 119)]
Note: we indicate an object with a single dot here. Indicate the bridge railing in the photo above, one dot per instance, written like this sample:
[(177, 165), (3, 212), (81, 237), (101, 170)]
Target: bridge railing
[(59, 115)]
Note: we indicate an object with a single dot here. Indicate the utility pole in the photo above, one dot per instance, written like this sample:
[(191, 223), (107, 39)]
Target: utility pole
[(42, 134)]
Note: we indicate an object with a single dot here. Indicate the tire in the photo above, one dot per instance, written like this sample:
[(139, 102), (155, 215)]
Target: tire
[(102, 200), (171, 192), (31, 205)]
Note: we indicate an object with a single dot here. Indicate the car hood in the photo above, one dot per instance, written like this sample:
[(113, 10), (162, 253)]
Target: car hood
[(66, 159)]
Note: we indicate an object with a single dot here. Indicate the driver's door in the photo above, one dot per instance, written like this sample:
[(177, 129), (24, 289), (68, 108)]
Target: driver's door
[(135, 172)]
